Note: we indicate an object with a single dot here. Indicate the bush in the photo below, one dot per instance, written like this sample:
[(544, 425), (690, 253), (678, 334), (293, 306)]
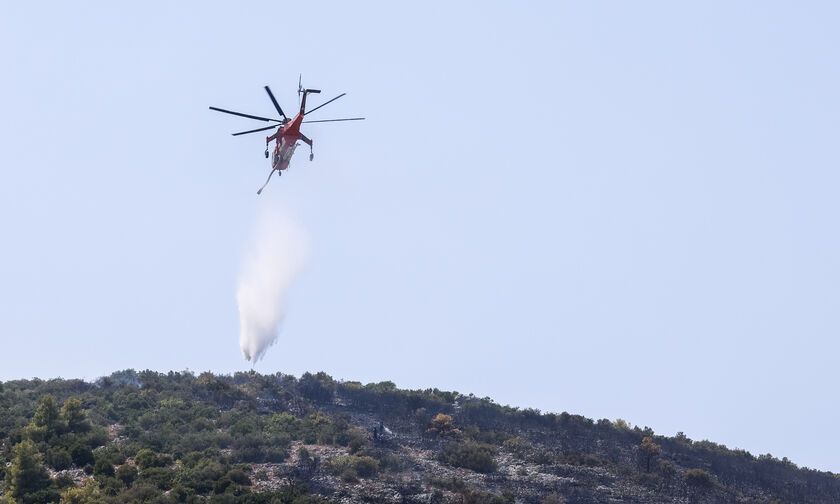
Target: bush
[(517, 446), (366, 466), (318, 387), (355, 445), (666, 469), (127, 474), (349, 476), (110, 485), (146, 459), (359, 466), (697, 478), (157, 476), (222, 485), (141, 493), (103, 467), (441, 425), (239, 477), (651, 480), (59, 459), (553, 499), (471, 455), (82, 455), (253, 449)]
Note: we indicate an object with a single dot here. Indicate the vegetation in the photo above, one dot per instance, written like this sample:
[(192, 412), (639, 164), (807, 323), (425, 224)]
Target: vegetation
[(697, 478), (146, 437), (649, 451), (469, 454)]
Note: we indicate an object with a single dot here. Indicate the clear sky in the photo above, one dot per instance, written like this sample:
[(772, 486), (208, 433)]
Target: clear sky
[(616, 209)]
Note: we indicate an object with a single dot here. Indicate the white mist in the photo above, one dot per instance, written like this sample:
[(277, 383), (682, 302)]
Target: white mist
[(276, 253)]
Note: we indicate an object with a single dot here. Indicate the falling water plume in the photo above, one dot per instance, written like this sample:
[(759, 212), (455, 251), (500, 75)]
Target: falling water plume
[(276, 253)]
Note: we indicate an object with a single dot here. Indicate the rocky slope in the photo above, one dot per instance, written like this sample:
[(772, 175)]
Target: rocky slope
[(150, 437)]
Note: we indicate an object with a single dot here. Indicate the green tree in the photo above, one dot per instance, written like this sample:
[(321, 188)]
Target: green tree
[(127, 474), (27, 473), (58, 458), (649, 450), (146, 459), (47, 414), (621, 424), (103, 467), (74, 416), (307, 463), (88, 494), (81, 455)]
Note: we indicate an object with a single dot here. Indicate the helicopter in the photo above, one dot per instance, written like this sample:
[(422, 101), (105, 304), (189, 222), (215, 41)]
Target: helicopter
[(288, 130)]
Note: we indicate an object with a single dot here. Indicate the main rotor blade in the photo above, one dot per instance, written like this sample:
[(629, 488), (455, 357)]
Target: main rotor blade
[(321, 105), (336, 120), (276, 105), (249, 116), (255, 130)]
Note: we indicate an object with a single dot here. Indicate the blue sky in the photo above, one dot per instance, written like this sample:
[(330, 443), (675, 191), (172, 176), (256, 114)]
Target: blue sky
[(616, 209)]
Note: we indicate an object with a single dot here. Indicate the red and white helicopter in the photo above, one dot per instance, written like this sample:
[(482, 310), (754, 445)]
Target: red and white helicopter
[(288, 130)]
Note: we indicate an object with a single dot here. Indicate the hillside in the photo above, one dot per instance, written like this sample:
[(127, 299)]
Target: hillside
[(252, 438)]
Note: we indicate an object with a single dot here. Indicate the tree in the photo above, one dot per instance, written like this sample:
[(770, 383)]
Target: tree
[(442, 426), (145, 459), (127, 474), (47, 414), (88, 494), (649, 450), (621, 424), (74, 416), (58, 458), (103, 467), (666, 469), (318, 387), (306, 463), (81, 454), (27, 473)]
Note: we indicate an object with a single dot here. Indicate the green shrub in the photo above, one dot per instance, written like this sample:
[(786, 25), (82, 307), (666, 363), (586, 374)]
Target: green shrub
[(471, 455), (82, 455), (222, 484), (239, 477), (146, 459), (127, 474), (349, 476), (59, 459), (103, 467), (364, 466), (110, 485), (517, 446), (697, 478), (157, 476)]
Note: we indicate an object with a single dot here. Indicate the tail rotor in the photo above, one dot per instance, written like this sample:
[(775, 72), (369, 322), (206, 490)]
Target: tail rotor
[(300, 87)]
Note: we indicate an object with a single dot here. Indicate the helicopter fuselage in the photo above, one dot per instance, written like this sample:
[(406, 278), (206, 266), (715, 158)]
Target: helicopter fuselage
[(286, 139)]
